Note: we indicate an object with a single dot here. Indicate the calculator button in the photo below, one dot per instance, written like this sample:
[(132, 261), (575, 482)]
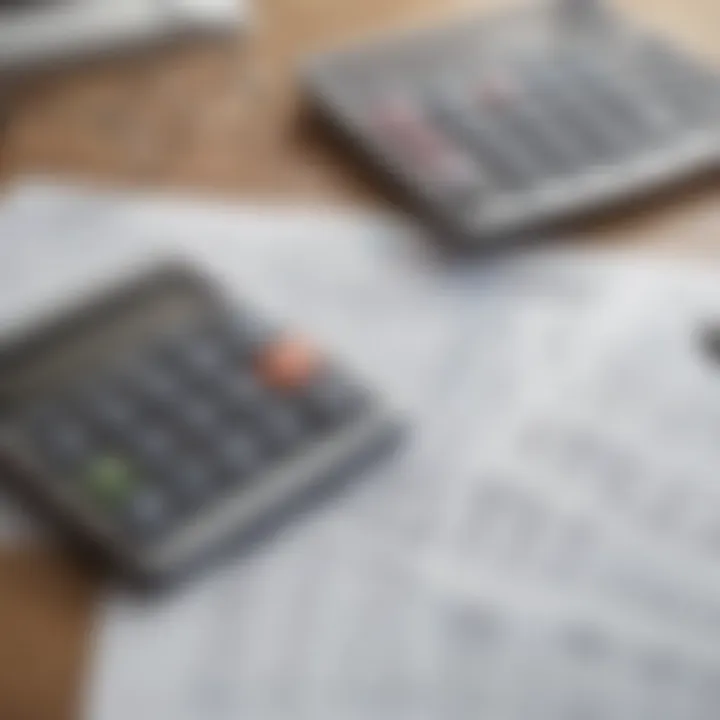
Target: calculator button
[(404, 129), (484, 135), (110, 480), (191, 481), (156, 383), (498, 90), (69, 440), (62, 440), (147, 512), (237, 456), (113, 410), (528, 120), (240, 393), (333, 399), (41, 419), (200, 416), (404, 126), (575, 110), (289, 364), (203, 357), (153, 445), (281, 427)]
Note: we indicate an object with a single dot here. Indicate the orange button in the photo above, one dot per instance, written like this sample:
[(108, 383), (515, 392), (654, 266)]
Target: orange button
[(289, 363)]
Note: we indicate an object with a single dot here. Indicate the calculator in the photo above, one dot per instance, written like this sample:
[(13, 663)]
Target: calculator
[(159, 420), (500, 125), (36, 33)]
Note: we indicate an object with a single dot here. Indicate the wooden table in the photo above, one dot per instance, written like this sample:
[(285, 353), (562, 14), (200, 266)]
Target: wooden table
[(224, 118)]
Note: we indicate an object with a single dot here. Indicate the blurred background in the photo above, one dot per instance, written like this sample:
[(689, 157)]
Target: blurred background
[(212, 105)]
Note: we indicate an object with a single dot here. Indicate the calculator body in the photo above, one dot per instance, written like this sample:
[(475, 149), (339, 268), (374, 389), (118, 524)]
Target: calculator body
[(499, 125), (34, 34), (140, 419)]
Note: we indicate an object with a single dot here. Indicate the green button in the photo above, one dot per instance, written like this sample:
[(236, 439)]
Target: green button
[(111, 479)]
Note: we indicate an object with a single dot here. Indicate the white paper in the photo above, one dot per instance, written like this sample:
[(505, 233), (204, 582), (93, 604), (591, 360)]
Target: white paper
[(379, 605), (631, 441), (470, 352), (323, 625)]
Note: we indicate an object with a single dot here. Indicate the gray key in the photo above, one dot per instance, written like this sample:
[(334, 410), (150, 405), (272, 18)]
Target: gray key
[(191, 480), (423, 147), (237, 456), (579, 112), (482, 132), (692, 93), (60, 437), (147, 512), (280, 426)]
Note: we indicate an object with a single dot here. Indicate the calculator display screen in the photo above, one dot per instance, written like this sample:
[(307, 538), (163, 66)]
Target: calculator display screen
[(99, 336)]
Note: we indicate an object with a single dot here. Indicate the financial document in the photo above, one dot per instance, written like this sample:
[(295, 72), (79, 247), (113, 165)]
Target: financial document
[(470, 576)]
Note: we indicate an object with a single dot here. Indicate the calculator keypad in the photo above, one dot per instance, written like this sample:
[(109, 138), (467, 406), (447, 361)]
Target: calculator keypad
[(188, 419), (494, 142)]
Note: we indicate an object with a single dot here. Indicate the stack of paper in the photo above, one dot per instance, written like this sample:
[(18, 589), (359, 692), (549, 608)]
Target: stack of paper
[(515, 560)]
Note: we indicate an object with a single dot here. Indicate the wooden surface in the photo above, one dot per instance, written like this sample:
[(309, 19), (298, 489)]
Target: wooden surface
[(225, 119)]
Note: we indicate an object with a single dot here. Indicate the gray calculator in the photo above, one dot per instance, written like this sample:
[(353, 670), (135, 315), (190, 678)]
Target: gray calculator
[(499, 125), (160, 421)]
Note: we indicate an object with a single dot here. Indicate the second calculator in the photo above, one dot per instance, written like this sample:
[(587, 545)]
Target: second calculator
[(498, 126)]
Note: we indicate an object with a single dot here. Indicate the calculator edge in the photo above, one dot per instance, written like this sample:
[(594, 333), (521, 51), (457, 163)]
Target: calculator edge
[(227, 525), (658, 172), (375, 432)]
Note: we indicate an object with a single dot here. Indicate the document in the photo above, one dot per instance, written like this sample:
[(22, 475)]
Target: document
[(457, 580)]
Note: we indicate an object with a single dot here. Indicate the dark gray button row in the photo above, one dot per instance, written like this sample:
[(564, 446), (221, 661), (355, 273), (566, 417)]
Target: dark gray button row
[(181, 424), (547, 117)]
